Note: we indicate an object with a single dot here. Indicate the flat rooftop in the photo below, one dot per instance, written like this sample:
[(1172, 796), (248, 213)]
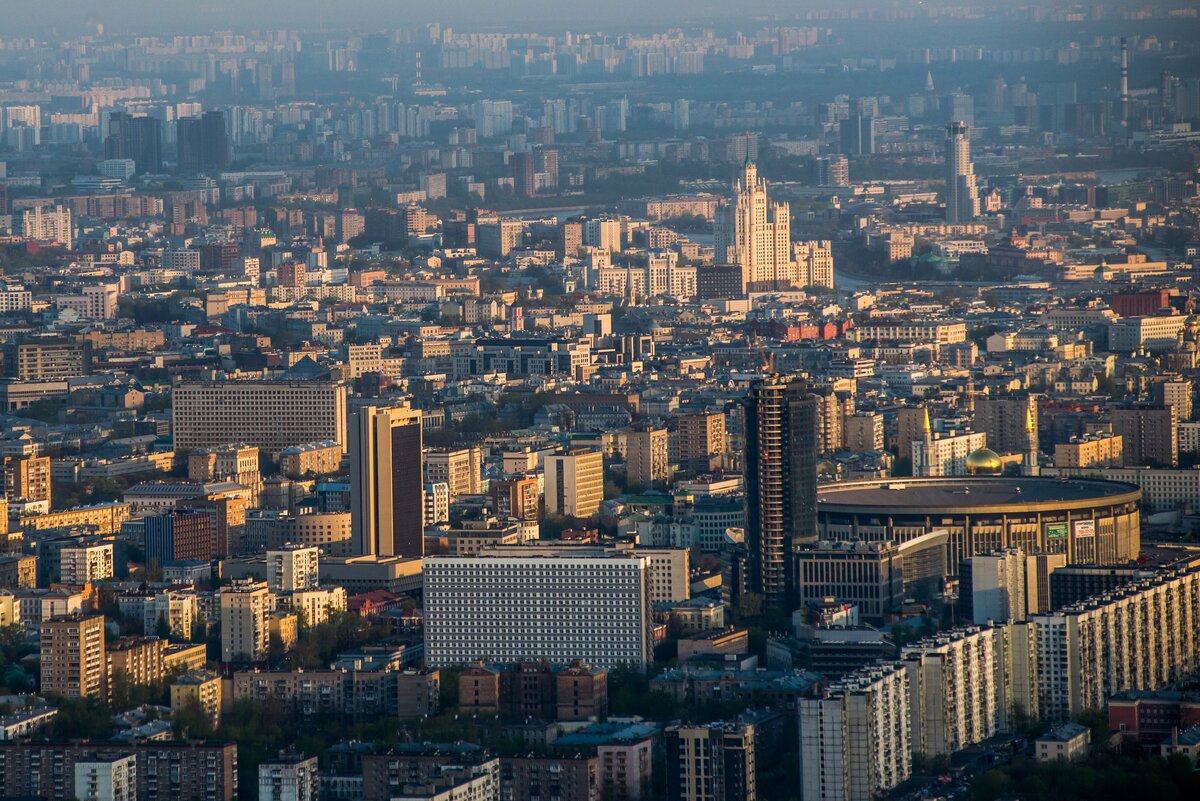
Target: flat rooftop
[(970, 492)]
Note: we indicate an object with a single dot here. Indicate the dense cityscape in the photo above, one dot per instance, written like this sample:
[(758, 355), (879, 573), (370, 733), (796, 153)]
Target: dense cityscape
[(791, 407)]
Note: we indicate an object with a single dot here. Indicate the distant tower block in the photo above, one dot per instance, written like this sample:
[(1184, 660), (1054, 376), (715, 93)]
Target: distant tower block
[(1124, 82)]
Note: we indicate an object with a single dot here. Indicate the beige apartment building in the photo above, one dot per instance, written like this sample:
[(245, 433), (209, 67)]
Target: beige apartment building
[(73, 660), (575, 483)]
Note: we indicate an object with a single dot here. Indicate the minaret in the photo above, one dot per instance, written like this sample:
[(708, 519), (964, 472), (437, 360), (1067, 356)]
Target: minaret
[(1029, 466), (925, 468)]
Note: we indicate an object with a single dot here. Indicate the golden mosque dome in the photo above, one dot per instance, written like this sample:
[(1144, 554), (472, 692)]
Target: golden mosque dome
[(984, 462)]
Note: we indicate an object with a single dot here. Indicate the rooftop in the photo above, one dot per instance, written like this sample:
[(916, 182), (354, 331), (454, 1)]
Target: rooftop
[(970, 492)]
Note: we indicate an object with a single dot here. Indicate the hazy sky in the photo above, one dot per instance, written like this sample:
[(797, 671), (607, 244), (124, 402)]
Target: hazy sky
[(160, 15)]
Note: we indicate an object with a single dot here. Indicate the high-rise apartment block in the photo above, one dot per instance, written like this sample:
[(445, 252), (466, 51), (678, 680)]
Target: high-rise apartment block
[(292, 568), (269, 414), (106, 778), (855, 740), (73, 660), (245, 605), (714, 762), (387, 505), (26, 478), (646, 456), (701, 440), (575, 483), (559, 607), (957, 684), (289, 777), (781, 483)]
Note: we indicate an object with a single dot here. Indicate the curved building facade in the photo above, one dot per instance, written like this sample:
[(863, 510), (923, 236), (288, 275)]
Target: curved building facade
[(1090, 520)]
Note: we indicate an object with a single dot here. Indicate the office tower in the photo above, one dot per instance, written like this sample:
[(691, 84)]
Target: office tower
[(26, 478), (959, 107), (998, 586), (524, 183), (854, 740), (958, 693), (203, 143), (106, 778), (181, 534), (73, 661), (962, 196), (574, 483), (701, 441), (829, 171), (1149, 436), (290, 777), (292, 568), (869, 575), (755, 234), (136, 138), (1006, 422), (461, 470), (245, 605), (554, 606), (714, 762), (268, 414), (387, 508), (646, 456), (781, 483), (857, 133)]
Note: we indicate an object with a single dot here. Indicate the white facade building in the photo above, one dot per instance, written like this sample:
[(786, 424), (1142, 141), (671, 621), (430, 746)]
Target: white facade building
[(854, 741), (559, 607)]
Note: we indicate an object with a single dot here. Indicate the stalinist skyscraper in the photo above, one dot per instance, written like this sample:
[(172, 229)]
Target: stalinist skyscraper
[(962, 196), (755, 234)]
